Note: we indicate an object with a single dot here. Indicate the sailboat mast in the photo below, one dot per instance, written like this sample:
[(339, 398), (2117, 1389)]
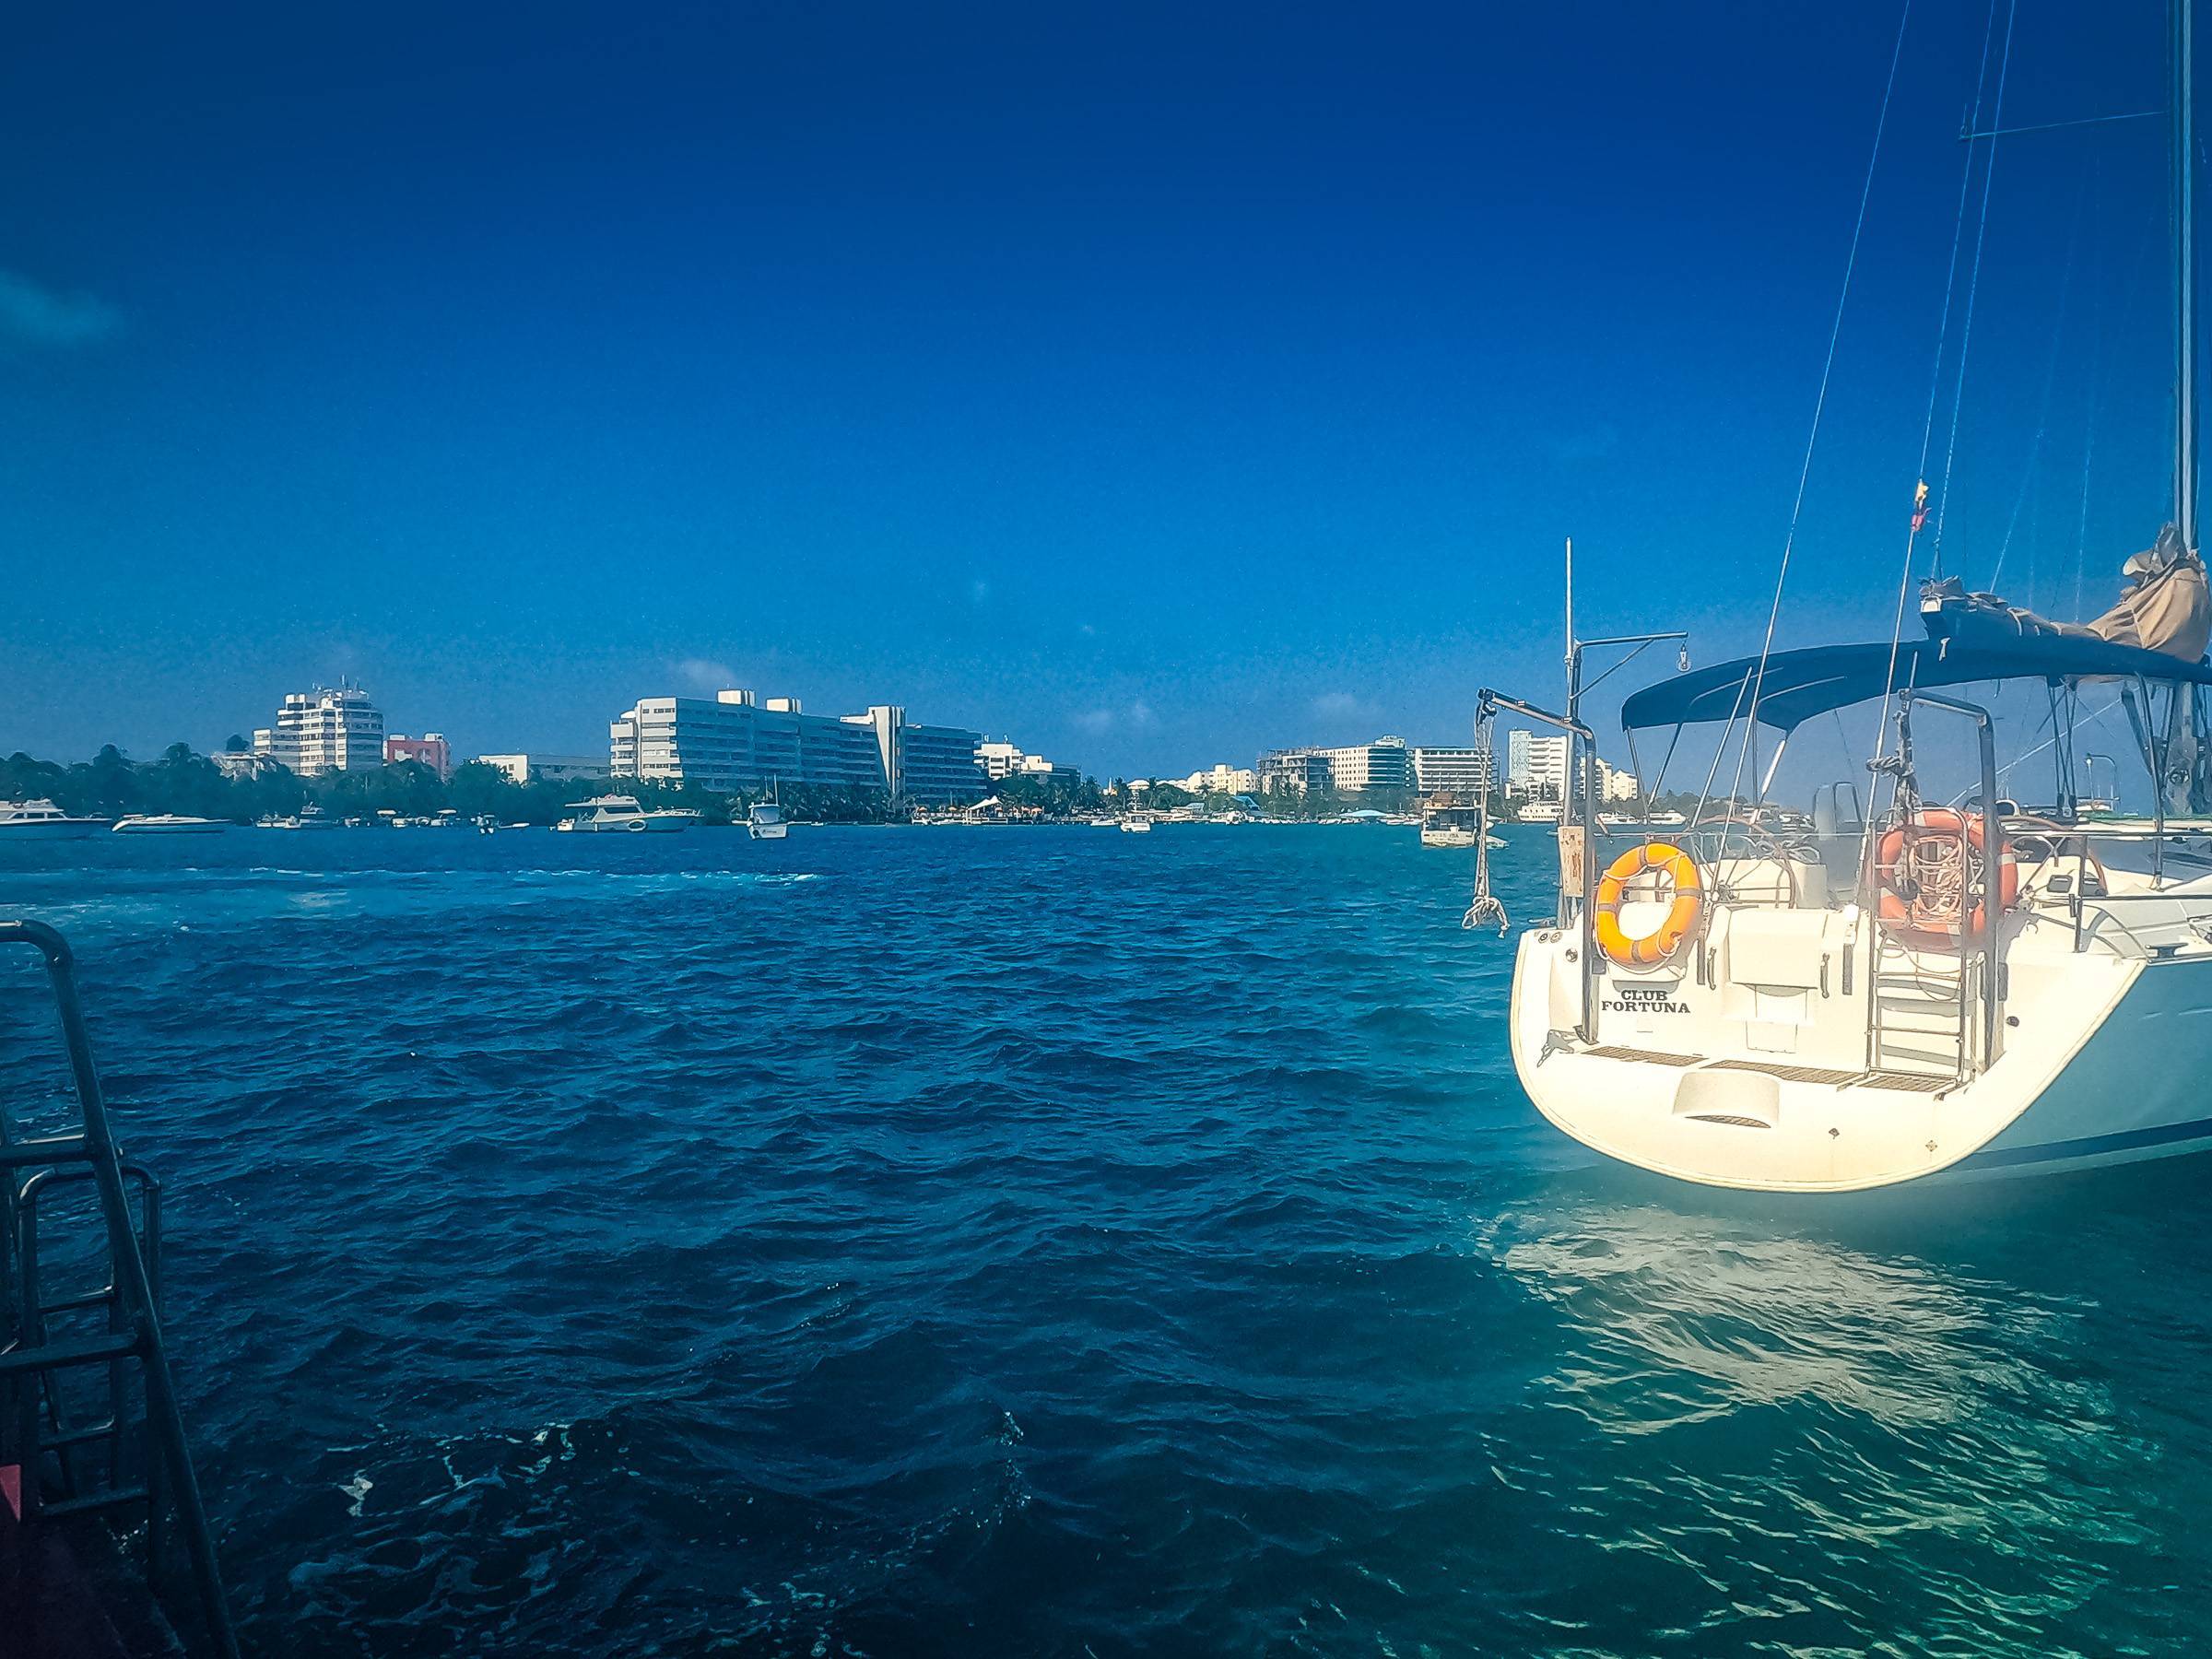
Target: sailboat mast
[(2182, 125)]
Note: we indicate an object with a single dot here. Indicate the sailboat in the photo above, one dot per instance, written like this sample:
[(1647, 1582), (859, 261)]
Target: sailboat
[(1917, 984)]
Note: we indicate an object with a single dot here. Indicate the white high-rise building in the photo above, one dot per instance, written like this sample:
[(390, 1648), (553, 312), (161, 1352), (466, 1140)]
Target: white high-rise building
[(326, 730), (739, 742), (1537, 766), (1461, 772), (1536, 770)]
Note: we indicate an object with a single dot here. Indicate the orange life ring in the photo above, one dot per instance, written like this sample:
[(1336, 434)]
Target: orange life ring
[(1682, 916), (1907, 873)]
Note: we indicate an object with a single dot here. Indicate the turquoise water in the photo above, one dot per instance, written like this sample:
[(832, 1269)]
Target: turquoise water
[(1058, 1242)]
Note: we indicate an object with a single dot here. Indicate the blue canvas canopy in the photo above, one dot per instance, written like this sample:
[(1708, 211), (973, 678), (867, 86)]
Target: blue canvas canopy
[(1798, 685)]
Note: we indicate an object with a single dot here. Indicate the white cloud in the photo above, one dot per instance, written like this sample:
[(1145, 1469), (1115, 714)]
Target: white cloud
[(1339, 705), (1136, 716), (701, 675), (32, 315)]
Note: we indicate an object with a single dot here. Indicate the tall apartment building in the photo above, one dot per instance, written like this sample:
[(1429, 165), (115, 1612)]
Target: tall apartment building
[(1537, 768), (735, 741), (1459, 772), (324, 730)]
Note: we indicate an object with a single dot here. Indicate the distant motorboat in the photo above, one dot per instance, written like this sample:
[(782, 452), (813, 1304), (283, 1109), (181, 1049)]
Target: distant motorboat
[(42, 820), (766, 822), (1446, 823), (604, 815), (308, 820), (169, 823), (1136, 826), (671, 821)]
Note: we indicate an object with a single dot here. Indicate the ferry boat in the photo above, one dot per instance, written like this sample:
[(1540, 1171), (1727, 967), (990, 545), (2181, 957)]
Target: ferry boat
[(42, 820), (1932, 981), (168, 823)]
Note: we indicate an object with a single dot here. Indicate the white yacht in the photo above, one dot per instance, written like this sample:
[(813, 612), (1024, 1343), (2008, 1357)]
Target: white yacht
[(671, 821), (42, 820), (766, 822), (169, 823), (1136, 824), (602, 815)]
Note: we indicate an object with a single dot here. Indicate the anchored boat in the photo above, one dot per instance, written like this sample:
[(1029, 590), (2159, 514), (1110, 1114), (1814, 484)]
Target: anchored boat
[(1837, 999), (1927, 980), (42, 820)]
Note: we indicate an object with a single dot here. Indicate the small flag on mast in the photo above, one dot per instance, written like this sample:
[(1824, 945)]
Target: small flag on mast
[(1919, 506)]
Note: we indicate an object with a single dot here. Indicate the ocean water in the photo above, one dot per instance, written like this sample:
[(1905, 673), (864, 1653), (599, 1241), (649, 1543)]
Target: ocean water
[(1058, 1242)]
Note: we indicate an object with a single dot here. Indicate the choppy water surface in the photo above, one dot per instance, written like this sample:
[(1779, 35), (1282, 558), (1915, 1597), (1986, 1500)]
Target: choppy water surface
[(1058, 1242)]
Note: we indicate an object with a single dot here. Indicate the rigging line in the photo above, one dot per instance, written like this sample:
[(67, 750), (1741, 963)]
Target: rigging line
[(2089, 434), (1927, 426), (1973, 287), (2053, 127), (1756, 683), (2042, 420), (2032, 754)]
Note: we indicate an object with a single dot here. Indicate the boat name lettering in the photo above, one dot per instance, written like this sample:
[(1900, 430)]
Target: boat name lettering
[(1645, 999)]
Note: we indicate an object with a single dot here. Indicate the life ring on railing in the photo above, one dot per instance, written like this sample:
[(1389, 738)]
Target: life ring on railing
[(1922, 867), (1680, 872)]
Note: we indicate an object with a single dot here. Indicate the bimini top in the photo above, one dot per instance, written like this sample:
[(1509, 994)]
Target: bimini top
[(1799, 685)]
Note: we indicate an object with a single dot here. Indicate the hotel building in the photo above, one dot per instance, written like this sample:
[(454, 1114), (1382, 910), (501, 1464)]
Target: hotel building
[(735, 741), (326, 730), (1385, 763)]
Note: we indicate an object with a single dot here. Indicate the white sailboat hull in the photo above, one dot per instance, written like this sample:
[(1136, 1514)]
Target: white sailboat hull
[(2096, 1068)]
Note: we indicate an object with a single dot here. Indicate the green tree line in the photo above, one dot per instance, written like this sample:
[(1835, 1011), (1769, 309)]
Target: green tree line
[(112, 784)]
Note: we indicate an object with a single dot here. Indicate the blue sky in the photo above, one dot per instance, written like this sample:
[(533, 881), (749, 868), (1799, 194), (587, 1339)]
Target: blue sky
[(1150, 384)]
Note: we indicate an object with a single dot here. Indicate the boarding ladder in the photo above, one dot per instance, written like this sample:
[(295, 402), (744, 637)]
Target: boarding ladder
[(89, 1427), (1920, 1012)]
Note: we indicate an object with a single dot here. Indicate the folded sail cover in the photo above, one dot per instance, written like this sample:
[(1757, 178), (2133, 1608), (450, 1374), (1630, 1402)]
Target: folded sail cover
[(1798, 685), (2158, 632), (2166, 608)]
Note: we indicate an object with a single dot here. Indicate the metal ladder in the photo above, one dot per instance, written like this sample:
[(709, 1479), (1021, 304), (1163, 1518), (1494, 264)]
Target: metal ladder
[(1918, 1018), (107, 1461)]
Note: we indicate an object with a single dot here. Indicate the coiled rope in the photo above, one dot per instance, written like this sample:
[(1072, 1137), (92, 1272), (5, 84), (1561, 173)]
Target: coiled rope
[(1486, 909)]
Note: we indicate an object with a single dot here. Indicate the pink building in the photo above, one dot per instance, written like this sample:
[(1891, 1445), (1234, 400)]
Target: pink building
[(429, 748)]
